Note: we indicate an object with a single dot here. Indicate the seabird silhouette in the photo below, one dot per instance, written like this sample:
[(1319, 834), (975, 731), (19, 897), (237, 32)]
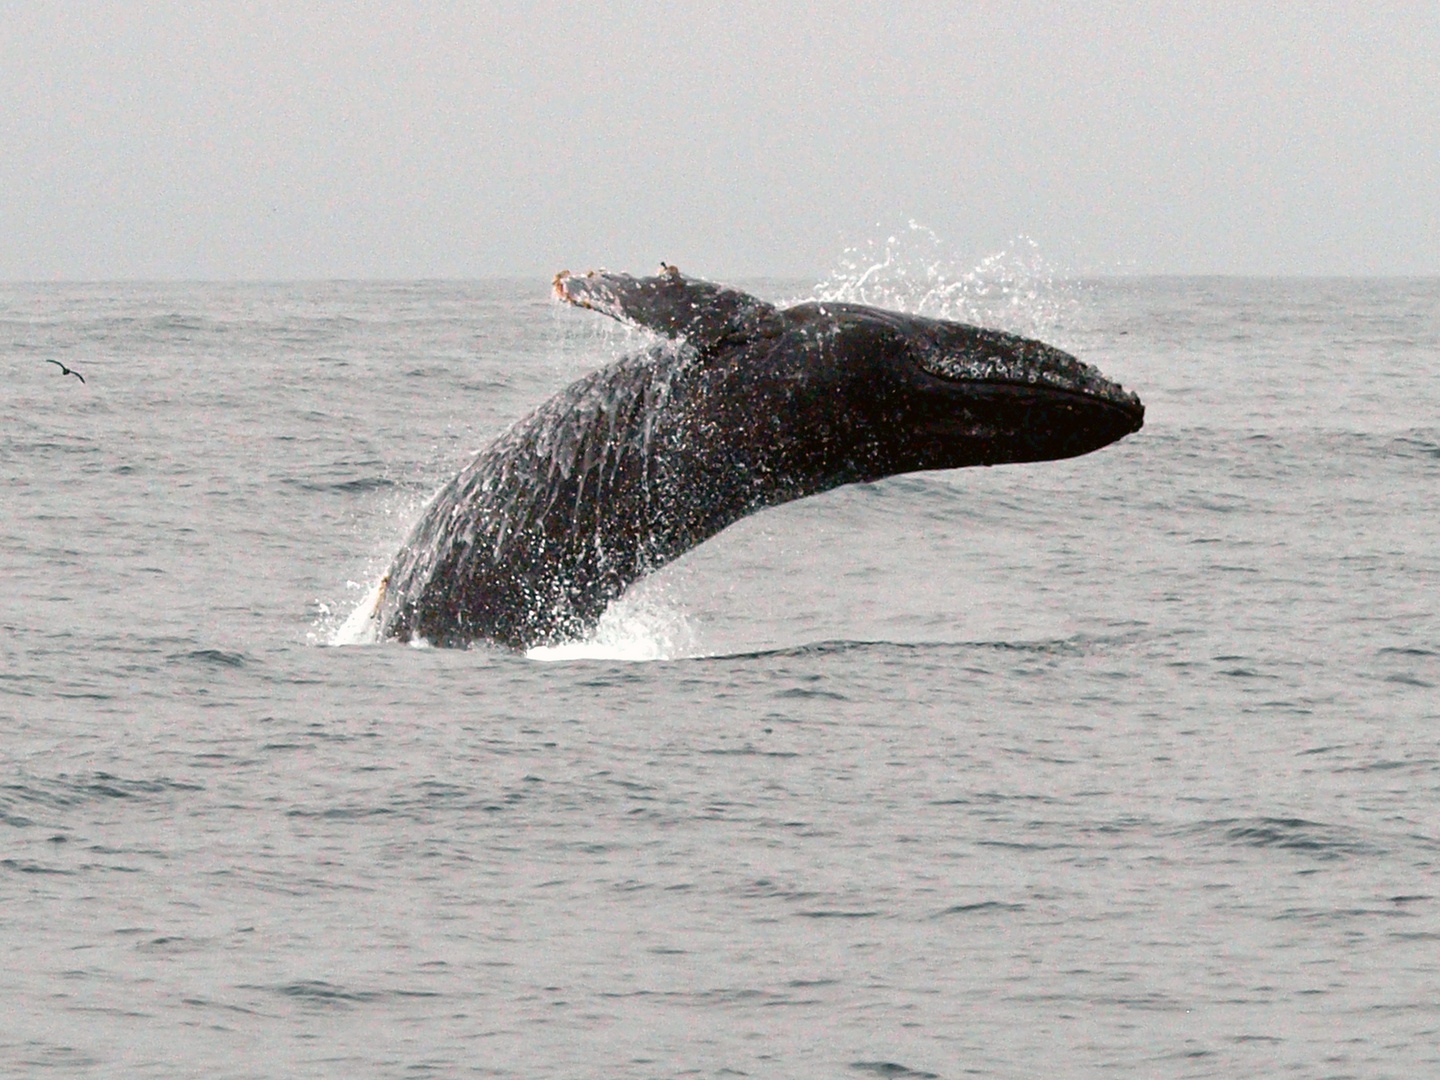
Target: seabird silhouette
[(65, 370)]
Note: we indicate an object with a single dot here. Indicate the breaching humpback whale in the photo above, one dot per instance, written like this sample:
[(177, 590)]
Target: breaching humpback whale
[(744, 406)]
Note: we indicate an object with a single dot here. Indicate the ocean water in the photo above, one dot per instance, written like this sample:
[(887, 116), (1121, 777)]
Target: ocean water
[(1121, 766)]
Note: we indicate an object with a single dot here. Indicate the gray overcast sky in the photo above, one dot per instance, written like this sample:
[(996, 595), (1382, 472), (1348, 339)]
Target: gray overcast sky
[(383, 139)]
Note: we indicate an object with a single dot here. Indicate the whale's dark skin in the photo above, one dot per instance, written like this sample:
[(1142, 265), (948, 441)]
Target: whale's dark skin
[(747, 406)]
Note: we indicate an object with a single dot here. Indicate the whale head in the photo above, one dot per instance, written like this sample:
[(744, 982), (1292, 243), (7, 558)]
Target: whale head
[(1028, 400), (935, 394)]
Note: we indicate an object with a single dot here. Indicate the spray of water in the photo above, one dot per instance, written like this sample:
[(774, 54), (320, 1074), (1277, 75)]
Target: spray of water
[(361, 626), (644, 624), (910, 269)]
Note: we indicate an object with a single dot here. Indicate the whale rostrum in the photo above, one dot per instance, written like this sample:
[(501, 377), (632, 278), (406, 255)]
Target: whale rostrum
[(742, 406)]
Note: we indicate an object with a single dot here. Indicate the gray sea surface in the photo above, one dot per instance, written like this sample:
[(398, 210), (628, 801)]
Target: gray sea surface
[(1125, 766)]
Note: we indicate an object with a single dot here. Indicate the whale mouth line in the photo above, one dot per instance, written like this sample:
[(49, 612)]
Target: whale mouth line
[(1125, 402)]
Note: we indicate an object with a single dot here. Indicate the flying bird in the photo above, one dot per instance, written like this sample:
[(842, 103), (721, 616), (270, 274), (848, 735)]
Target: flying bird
[(65, 370)]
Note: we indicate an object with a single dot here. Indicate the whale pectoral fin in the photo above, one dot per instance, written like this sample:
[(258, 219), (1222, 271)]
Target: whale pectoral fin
[(705, 314)]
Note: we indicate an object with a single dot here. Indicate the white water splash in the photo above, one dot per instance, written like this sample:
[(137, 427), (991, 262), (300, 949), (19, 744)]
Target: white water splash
[(362, 626), (641, 625), (1015, 289)]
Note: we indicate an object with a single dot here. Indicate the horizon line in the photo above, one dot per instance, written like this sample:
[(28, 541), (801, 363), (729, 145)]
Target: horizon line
[(526, 277)]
